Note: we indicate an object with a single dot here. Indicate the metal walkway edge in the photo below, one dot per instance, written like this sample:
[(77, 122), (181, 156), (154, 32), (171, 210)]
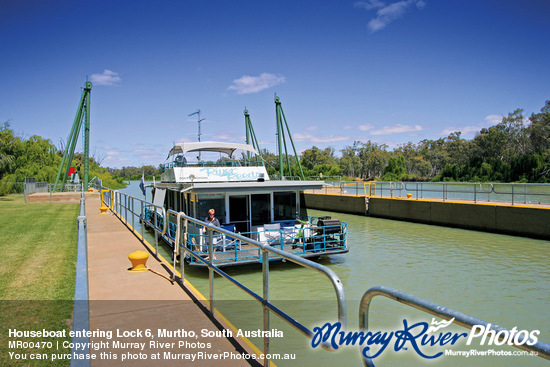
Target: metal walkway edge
[(128, 301)]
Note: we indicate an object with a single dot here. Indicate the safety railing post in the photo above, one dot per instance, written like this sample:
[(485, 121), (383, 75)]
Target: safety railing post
[(210, 270), (125, 209), (156, 232), (265, 271), (182, 249), (512, 194)]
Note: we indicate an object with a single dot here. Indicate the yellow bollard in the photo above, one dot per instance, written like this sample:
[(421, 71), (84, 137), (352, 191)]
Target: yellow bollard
[(103, 209), (138, 260)]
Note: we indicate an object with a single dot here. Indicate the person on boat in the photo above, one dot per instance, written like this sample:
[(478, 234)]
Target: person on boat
[(211, 219)]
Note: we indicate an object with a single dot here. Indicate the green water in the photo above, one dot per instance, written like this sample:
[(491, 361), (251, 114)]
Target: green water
[(502, 279)]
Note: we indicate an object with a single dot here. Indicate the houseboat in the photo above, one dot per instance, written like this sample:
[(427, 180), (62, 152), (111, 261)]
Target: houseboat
[(232, 180)]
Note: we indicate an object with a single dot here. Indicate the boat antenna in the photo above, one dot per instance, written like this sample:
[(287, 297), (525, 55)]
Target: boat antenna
[(199, 120)]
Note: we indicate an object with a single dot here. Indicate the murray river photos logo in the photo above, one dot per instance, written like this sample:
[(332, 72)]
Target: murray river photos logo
[(425, 339)]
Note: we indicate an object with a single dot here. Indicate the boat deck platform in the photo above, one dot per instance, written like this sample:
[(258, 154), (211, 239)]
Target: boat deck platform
[(124, 301)]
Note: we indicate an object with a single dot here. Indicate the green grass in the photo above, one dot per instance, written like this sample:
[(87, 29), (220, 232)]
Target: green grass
[(38, 247)]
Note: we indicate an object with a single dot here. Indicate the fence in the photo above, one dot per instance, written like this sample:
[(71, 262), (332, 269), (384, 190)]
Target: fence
[(513, 193), (30, 186)]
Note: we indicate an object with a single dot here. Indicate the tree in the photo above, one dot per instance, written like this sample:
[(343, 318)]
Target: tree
[(395, 170), (516, 131), (9, 144), (374, 158), (434, 152), (351, 162), (315, 156), (539, 130)]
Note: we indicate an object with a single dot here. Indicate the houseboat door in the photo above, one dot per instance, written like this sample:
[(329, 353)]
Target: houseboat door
[(239, 212)]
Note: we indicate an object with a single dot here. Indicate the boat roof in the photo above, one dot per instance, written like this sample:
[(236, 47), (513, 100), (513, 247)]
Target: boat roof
[(210, 146), (244, 186)]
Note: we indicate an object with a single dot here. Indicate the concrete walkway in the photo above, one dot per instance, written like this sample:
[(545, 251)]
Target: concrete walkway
[(134, 302)]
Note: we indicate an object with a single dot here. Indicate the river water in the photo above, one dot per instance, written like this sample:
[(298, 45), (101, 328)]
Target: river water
[(502, 279)]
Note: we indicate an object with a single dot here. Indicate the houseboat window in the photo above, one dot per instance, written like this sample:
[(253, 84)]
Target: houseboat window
[(261, 209), (284, 204), (212, 201)]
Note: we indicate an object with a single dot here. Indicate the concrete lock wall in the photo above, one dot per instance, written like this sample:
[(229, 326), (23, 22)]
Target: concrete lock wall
[(508, 219), (337, 203), (523, 221)]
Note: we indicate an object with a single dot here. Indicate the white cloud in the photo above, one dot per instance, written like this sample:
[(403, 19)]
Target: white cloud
[(319, 139), (253, 84), (108, 77), (471, 130), (366, 127), (387, 13), (396, 129)]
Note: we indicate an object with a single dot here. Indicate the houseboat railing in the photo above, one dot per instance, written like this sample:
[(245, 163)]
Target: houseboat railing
[(228, 163), (123, 206), (459, 318)]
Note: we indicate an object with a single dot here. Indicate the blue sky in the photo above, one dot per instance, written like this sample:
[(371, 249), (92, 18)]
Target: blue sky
[(380, 70)]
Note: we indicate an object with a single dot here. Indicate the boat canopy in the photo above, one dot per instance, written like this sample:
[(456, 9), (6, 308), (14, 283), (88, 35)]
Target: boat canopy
[(210, 146)]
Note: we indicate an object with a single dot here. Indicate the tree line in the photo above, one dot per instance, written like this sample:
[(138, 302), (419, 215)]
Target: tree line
[(37, 157), (517, 149)]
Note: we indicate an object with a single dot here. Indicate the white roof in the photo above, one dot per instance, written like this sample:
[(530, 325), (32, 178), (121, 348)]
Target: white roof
[(210, 146)]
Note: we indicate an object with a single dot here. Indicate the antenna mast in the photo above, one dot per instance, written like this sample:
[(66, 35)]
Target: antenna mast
[(198, 113)]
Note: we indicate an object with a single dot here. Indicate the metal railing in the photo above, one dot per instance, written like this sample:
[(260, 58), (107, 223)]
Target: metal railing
[(81, 320), (459, 318), (123, 206), (513, 193), (266, 250), (228, 163)]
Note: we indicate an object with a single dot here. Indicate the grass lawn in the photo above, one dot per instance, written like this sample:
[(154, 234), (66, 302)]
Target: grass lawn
[(38, 247)]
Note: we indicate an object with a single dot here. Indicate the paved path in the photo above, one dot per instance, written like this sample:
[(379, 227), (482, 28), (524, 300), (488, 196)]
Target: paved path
[(129, 301)]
